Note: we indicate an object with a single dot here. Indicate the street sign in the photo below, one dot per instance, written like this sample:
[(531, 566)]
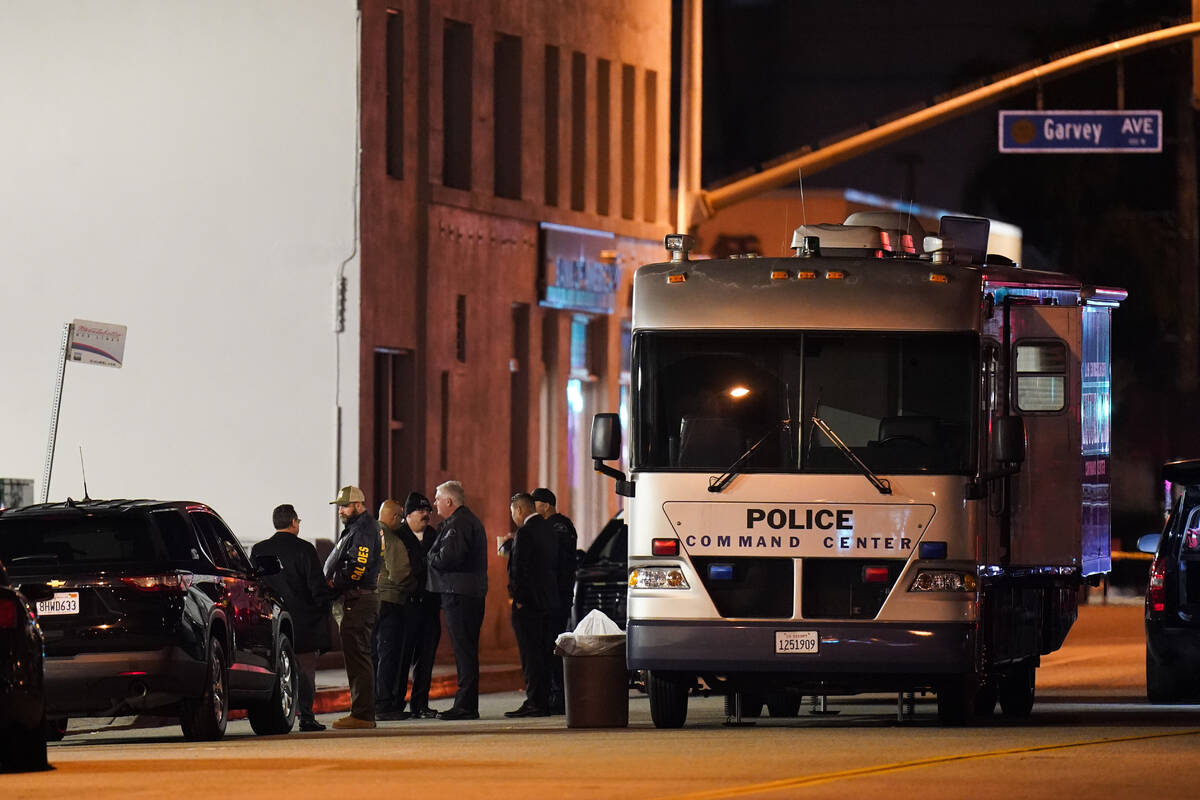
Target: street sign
[(1081, 131), (97, 343)]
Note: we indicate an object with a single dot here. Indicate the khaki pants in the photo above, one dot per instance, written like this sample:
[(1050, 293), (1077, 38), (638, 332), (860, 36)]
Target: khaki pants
[(356, 621)]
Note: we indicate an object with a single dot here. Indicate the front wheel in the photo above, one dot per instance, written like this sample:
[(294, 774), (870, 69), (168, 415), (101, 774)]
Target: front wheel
[(956, 699), (1016, 691), (24, 750), (784, 702), (278, 714), (668, 699), (203, 718), (1162, 682)]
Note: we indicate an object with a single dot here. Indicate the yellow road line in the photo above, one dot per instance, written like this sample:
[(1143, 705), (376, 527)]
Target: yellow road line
[(880, 769)]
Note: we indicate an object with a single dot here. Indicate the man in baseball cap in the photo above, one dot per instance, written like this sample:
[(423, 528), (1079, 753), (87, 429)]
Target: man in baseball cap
[(545, 503), (348, 496)]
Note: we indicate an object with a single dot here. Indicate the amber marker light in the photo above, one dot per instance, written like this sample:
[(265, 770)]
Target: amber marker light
[(806, 275), (834, 275), (779, 275), (677, 277), (937, 277)]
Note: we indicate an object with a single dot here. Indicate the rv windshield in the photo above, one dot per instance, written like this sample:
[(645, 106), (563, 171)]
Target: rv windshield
[(903, 403)]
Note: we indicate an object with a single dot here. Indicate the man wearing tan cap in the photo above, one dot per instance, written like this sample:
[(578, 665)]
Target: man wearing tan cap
[(353, 570)]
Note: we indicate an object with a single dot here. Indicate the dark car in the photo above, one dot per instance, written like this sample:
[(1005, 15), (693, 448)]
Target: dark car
[(153, 607), (602, 579), (22, 691), (1173, 596)]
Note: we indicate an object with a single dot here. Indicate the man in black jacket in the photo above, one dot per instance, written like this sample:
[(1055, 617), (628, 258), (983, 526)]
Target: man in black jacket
[(306, 596), (353, 570), (533, 586), (546, 505), (423, 625), (458, 571)]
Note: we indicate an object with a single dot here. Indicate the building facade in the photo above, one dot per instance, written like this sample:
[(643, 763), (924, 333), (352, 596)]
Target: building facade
[(514, 172)]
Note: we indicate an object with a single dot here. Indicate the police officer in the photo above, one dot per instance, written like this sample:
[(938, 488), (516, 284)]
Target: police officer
[(546, 505), (533, 586)]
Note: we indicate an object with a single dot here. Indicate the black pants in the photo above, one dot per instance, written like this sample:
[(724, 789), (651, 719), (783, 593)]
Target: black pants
[(532, 627), (464, 618), (306, 666), (559, 618), (391, 679), (422, 631)]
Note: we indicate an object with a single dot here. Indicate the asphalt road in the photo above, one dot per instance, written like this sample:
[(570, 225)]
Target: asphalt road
[(1091, 733)]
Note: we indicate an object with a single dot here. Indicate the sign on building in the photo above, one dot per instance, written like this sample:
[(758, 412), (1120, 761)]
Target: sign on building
[(579, 269), (1081, 131), (97, 343)]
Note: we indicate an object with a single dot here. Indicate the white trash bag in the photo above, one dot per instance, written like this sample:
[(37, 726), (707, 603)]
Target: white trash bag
[(595, 635)]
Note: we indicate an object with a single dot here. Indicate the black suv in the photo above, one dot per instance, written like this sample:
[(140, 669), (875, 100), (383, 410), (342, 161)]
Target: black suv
[(22, 693), (602, 578), (1173, 596), (154, 608)]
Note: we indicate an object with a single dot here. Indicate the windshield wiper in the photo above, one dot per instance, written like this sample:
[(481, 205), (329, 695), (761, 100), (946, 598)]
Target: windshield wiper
[(881, 484), (719, 484)]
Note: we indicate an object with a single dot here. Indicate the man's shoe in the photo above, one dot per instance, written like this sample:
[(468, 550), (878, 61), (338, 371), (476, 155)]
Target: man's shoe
[(457, 714), (310, 725), (518, 712), (389, 716), (527, 711), (424, 713), (351, 722)]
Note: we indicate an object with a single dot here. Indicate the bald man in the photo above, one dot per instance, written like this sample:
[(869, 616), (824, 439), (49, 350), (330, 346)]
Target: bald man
[(398, 585)]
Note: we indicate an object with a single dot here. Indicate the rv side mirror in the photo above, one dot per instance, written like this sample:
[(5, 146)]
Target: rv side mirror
[(606, 437), (1009, 439), (1148, 543)]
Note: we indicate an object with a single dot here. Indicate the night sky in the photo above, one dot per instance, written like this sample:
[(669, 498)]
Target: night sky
[(782, 74)]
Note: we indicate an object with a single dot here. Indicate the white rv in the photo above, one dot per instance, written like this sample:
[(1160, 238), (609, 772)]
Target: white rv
[(881, 465)]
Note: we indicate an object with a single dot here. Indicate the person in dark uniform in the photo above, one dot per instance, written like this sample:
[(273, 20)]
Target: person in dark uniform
[(546, 505), (353, 570), (458, 571), (306, 596), (423, 625), (533, 586)]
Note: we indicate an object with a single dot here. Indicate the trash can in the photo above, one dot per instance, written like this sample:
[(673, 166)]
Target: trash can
[(596, 683)]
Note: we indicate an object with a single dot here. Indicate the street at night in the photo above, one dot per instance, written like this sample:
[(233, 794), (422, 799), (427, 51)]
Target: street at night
[(1091, 733)]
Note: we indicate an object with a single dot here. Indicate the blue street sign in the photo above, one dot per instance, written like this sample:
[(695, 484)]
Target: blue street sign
[(1081, 131)]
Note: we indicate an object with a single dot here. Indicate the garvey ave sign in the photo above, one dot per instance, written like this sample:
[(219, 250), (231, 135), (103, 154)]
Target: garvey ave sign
[(1081, 131)]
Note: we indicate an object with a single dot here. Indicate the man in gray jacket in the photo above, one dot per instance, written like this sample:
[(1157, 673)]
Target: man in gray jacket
[(353, 571), (458, 571)]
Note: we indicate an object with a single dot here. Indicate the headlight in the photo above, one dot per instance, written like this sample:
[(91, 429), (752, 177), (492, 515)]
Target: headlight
[(940, 580), (657, 578)]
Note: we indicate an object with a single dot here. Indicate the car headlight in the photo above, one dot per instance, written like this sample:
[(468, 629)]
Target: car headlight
[(943, 580), (657, 578)]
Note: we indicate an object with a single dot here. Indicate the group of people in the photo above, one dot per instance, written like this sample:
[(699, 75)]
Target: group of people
[(389, 581)]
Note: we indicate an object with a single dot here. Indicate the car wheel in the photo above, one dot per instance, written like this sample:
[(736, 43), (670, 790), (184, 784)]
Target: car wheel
[(784, 703), (956, 699), (985, 701), (1162, 683), (56, 728), (668, 699), (24, 751), (1016, 690), (278, 714), (204, 718)]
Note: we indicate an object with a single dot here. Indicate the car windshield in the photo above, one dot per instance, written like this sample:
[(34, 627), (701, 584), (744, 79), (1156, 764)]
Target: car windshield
[(31, 544), (903, 403)]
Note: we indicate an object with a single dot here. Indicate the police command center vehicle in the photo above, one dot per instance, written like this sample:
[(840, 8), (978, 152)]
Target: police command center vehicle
[(881, 465)]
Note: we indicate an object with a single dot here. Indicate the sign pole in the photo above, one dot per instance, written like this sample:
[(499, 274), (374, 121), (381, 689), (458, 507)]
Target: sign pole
[(58, 387)]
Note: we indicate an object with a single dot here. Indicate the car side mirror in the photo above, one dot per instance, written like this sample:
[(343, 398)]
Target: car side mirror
[(266, 566), (1148, 543), (1008, 439), (606, 437)]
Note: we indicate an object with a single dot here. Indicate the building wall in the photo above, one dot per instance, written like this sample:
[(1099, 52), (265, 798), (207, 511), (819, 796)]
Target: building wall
[(187, 171), (490, 373)]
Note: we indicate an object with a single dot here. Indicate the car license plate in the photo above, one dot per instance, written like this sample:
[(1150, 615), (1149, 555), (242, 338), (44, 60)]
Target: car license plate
[(61, 603), (796, 642)]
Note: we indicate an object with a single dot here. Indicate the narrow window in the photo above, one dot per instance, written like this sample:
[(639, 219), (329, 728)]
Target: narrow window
[(444, 444), (628, 85), (1041, 376), (550, 126), (506, 113), (394, 122), (603, 134), (578, 129), (460, 328), (457, 61), (650, 173)]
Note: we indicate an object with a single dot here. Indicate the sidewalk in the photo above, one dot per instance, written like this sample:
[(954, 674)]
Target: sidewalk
[(333, 692)]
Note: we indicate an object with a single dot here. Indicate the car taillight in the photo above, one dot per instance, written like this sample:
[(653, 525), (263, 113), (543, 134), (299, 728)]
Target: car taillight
[(170, 582), (1156, 594), (8, 613)]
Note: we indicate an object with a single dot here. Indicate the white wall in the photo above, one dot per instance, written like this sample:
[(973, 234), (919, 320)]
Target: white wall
[(185, 169)]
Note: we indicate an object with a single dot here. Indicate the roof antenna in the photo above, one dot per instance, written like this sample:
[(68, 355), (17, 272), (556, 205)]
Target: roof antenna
[(84, 473), (803, 207)]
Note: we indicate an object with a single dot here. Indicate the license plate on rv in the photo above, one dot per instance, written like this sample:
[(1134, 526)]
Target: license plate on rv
[(61, 603), (787, 642)]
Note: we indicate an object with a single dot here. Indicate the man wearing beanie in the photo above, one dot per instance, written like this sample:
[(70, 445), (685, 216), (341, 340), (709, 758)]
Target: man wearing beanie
[(547, 507)]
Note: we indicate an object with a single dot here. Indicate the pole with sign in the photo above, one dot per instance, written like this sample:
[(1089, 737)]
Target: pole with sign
[(84, 342), (1081, 131)]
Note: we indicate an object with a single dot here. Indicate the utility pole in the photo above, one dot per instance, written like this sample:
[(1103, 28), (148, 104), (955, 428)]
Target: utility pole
[(691, 49), (1189, 231)]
